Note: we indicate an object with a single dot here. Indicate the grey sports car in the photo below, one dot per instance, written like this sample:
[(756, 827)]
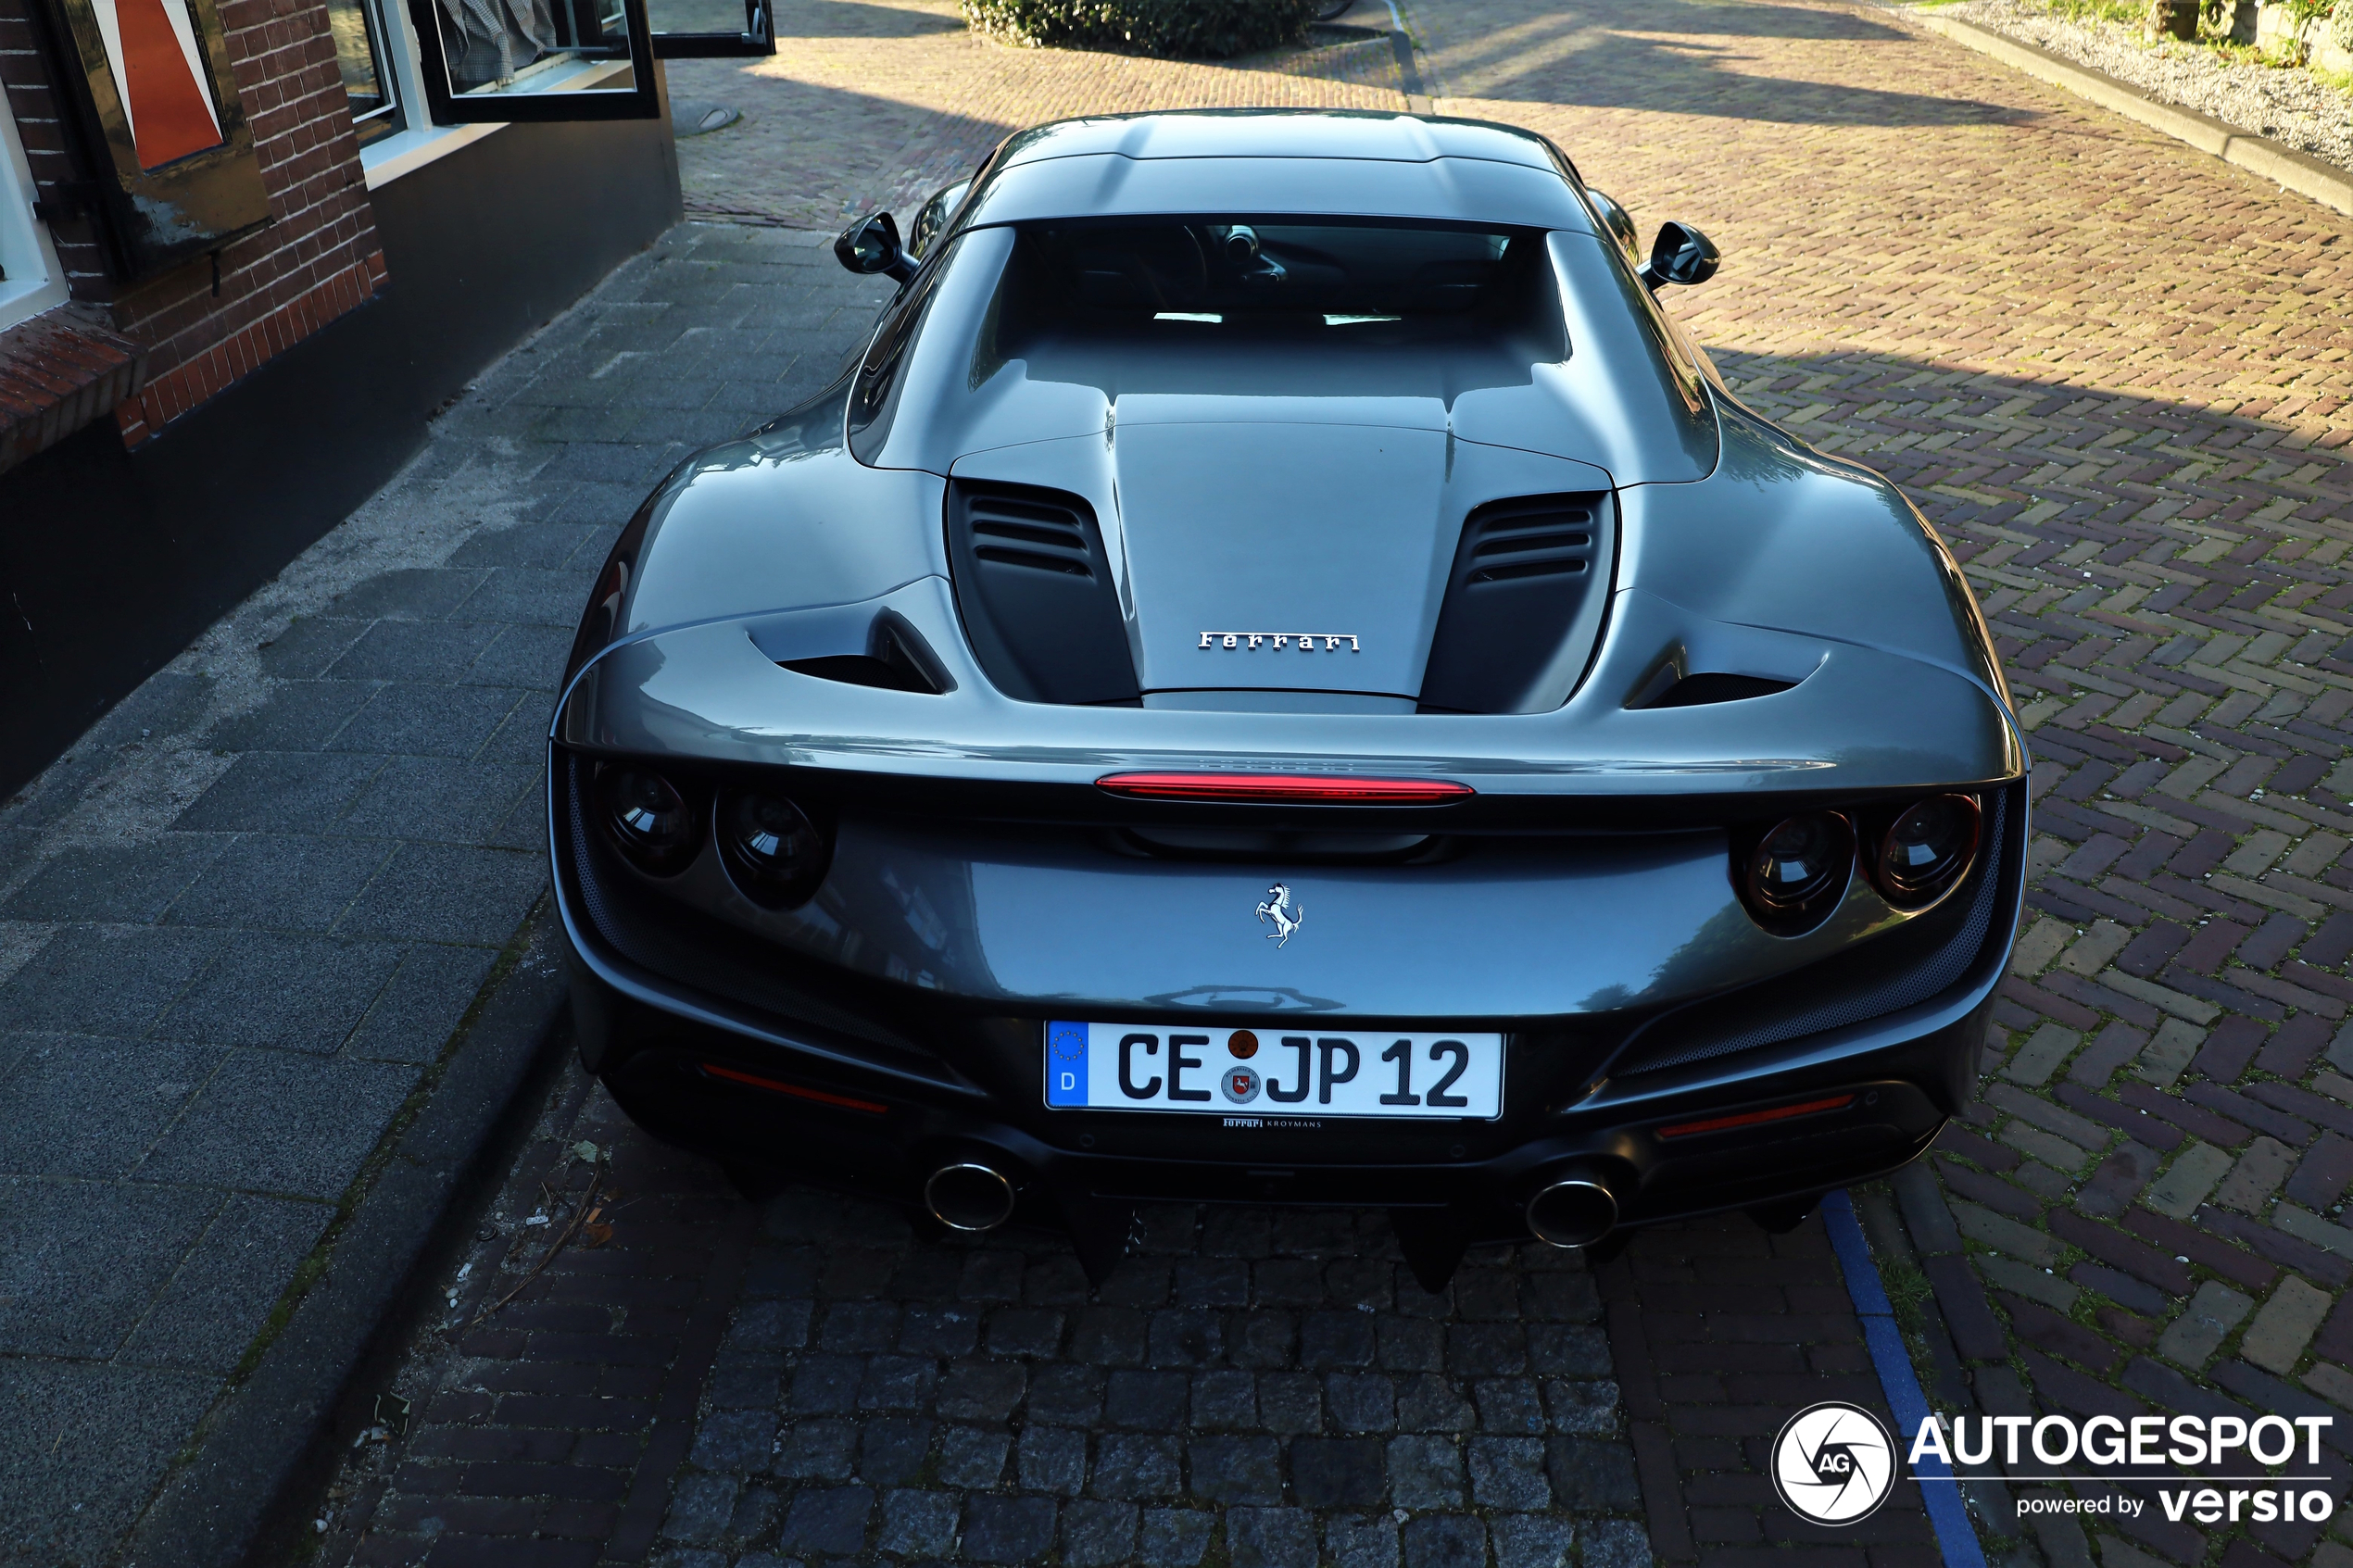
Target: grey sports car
[(1279, 674)]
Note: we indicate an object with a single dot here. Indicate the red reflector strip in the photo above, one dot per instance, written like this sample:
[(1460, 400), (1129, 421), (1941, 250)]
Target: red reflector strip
[(1299, 789), (1753, 1118), (820, 1096)]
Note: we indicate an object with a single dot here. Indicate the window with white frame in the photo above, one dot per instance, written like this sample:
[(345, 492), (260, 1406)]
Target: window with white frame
[(30, 280)]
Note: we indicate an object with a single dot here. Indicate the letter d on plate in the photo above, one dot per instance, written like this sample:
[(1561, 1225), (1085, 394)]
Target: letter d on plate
[(1066, 1064)]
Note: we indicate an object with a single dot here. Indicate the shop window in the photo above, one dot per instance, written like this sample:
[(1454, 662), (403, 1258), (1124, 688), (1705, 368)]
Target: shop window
[(368, 70)]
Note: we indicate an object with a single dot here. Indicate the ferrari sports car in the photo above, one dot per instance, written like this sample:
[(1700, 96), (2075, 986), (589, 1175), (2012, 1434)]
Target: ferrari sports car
[(1279, 674)]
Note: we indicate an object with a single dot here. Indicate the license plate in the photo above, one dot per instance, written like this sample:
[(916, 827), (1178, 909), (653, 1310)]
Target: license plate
[(1230, 1072)]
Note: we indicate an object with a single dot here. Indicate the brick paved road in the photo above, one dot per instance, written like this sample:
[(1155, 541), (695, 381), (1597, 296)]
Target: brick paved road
[(2111, 370)]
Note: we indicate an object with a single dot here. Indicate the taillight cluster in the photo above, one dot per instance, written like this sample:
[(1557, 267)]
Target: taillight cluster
[(773, 850), (1794, 874)]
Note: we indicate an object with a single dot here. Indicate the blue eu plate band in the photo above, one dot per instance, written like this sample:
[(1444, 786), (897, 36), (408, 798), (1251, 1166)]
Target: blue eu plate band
[(1955, 1536)]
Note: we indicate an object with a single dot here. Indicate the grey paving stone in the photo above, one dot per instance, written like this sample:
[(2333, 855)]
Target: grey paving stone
[(1361, 1543), (1098, 1535), (124, 884), (414, 1016), (891, 1451), (972, 1457), (1051, 1459), (409, 593), (528, 658), (1444, 1541), (1509, 1404), (699, 1508), (1430, 1403), (98, 1434), (1338, 1471), (411, 650), (1425, 1472), (1145, 1401), (165, 703), (1002, 1529), (1174, 1538), (739, 1441), (1135, 1468), (1361, 1401), (531, 543), (1560, 1349), (825, 1385), (295, 993), (1509, 1472), (1236, 1470), (524, 596), (439, 799), (818, 1448), (308, 645), (272, 1121), (520, 738), (1270, 1537), (407, 720), (1614, 1543), (918, 1523), (979, 1390), (279, 882), (279, 792), (447, 893), (73, 1106), (227, 1286), (81, 1261), (828, 1520), (1532, 1540), (105, 980), (1591, 1475)]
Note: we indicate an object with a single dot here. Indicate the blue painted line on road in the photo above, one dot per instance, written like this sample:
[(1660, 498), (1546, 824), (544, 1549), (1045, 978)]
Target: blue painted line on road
[(1954, 1535)]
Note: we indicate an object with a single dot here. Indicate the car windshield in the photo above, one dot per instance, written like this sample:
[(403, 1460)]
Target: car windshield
[(1265, 274)]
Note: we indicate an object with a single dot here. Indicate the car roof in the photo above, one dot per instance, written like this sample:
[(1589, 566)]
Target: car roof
[(1265, 162), (1310, 134)]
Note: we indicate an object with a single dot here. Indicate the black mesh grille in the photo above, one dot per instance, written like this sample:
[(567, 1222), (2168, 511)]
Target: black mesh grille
[(1902, 969)]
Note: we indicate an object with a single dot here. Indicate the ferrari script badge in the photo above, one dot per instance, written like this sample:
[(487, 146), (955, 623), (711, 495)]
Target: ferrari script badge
[(1305, 642), (1277, 906)]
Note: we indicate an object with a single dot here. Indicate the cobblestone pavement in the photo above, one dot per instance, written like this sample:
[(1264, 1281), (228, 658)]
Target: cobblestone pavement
[(716, 1384), (240, 921)]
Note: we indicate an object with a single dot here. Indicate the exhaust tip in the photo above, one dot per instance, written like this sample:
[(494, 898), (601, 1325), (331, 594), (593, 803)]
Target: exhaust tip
[(1576, 1211), (969, 1196)]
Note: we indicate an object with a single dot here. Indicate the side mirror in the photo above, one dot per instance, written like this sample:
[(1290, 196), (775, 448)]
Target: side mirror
[(1617, 223), (1681, 255), (871, 246)]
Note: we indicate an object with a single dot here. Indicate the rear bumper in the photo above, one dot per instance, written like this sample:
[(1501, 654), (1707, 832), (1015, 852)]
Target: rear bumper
[(798, 1109)]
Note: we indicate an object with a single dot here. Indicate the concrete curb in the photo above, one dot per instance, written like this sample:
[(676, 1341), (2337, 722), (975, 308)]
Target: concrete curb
[(280, 1434), (2297, 171)]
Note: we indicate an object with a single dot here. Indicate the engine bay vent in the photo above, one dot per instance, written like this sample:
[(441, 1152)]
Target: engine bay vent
[(1523, 605), (1035, 590), (1547, 537), (1033, 532)]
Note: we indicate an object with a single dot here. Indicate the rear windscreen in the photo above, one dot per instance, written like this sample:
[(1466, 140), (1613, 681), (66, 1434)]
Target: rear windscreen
[(1321, 275)]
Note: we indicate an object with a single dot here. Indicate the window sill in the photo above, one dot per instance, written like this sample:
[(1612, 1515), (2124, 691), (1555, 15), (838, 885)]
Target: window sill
[(61, 371), (407, 151)]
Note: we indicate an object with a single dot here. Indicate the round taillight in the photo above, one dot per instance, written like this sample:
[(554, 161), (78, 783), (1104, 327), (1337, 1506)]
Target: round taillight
[(775, 855), (1798, 871), (1926, 851), (649, 820)]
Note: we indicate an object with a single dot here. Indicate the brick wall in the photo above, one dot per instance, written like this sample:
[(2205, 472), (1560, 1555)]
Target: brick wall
[(317, 259)]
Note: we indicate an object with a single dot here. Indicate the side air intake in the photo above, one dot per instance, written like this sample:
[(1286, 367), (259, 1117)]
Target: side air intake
[(1036, 593), (1523, 605)]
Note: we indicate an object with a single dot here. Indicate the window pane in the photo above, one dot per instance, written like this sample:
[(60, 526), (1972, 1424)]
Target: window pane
[(696, 16), (491, 42), (364, 75)]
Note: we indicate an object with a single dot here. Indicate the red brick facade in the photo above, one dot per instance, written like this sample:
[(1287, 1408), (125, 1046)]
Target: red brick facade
[(317, 259)]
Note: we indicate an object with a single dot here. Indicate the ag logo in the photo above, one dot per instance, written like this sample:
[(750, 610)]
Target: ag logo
[(1834, 1463)]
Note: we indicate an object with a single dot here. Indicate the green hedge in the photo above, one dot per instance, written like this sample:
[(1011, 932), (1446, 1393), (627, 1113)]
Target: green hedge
[(1169, 29)]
